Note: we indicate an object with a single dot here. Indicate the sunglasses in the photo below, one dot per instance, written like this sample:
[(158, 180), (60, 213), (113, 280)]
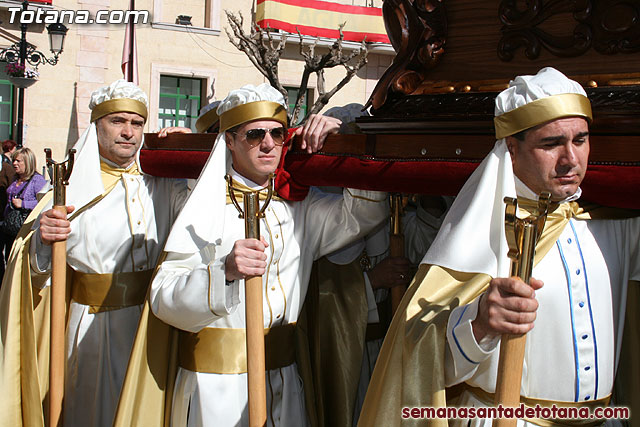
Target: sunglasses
[(255, 136)]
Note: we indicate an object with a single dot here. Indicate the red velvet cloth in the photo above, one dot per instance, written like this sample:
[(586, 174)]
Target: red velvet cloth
[(286, 185), (189, 164), (608, 185)]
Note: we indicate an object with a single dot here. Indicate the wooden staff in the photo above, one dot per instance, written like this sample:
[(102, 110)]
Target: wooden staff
[(522, 236), (396, 245), (253, 307), (59, 173)]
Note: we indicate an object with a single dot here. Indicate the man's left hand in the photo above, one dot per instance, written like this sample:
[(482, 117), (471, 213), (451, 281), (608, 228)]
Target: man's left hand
[(315, 131), (17, 203)]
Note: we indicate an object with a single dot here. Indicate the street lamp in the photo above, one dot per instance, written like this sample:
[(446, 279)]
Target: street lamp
[(22, 52), (57, 33)]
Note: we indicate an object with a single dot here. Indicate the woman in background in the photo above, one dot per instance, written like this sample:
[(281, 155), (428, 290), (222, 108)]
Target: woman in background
[(21, 194)]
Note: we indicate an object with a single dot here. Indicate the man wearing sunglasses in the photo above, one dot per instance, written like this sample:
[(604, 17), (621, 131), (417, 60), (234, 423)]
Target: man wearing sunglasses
[(199, 287)]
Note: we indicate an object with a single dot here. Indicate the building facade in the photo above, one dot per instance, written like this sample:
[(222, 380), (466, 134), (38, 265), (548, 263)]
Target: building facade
[(184, 61)]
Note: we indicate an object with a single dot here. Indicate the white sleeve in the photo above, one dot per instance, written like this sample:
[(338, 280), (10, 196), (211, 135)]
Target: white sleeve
[(332, 221), (463, 353), (179, 193), (189, 291)]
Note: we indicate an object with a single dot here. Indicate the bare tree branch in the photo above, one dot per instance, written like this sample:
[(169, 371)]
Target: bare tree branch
[(263, 52), (304, 81), (259, 47), (335, 56), (324, 99)]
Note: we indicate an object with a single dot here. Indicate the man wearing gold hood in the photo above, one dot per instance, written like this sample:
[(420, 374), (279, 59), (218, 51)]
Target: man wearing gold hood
[(447, 330), (118, 221), (199, 287)]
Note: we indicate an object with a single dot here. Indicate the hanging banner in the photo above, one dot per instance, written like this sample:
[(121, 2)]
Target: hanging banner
[(322, 19)]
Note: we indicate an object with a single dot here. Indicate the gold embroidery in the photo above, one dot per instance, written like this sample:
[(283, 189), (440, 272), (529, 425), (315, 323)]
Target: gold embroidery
[(266, 288), (284, 294)]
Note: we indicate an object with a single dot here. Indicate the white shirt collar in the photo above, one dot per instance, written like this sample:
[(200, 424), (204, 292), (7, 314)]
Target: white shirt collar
[(113, 165), (523, 191), (243, 180)]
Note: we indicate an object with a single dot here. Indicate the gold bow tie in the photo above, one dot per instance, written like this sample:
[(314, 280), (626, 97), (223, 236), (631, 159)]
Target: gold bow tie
[(565, 210), (111, 175), (576, 209), (560, 214), (241, 188), (115, 171)]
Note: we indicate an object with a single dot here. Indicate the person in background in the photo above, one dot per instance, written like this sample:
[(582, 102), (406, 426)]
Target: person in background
[(7, 175), (9, 146), (21, 193)]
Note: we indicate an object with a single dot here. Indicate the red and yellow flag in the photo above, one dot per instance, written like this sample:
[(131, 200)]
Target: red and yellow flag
[(322, 19)]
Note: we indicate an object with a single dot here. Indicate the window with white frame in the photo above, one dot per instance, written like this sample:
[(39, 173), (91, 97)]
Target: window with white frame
[(179, 101)]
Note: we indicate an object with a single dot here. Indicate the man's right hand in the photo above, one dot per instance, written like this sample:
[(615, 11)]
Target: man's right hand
[(509, 306), (247, 258), (54, 226), (390, 272)]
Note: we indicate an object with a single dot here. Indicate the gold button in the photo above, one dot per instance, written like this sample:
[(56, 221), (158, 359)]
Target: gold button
[(133, 200), (273, 288), (276, 236), (132, 179), (138, 222)]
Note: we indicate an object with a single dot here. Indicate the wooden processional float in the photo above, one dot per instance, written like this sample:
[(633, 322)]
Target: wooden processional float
[(432, 109)]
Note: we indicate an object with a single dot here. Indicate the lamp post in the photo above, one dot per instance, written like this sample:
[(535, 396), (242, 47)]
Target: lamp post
[(24, 53)]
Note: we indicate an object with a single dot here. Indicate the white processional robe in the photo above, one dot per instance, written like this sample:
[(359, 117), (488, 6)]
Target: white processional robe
[(123, 232), (190, 293), (572, 351)]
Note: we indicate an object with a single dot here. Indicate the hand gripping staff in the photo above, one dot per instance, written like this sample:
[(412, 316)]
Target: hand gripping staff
[(59, 174), (522, 236), (253, 306)]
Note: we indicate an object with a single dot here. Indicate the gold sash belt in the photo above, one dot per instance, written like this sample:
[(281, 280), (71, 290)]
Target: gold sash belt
[(104, 292), (223, 350), (489, 399)]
